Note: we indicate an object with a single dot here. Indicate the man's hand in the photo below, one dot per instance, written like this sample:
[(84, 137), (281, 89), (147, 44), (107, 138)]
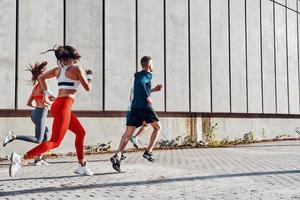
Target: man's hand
[(157, 88), (89, 71)]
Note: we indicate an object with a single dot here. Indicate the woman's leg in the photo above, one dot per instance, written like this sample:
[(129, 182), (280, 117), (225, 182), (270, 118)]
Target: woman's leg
[(38, 117), (61, 113), (76, 127)]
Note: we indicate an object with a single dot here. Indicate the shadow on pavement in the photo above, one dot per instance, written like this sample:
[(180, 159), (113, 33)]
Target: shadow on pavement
[(56, 177), (132, 183), (57, 162)]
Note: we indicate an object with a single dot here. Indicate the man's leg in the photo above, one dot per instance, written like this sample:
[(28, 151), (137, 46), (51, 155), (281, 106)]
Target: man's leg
[(134, 139), (125, 138), (154, 136), (141, 130), (116, 159)]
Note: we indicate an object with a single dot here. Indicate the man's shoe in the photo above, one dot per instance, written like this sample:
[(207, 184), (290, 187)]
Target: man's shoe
[(148, 156), (134, 141), (123, 157), (116, 164)]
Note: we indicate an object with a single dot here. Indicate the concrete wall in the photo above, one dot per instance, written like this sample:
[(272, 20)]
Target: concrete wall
[(7, 56), (212, 56), (234, 56), (102, 130), (254, 67)]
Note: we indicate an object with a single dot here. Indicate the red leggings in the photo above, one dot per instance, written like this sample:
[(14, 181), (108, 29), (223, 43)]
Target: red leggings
[(64, 119)]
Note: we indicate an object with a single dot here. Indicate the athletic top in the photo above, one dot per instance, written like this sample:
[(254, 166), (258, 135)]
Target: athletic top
[(142, 89), (64, 82), (37, 97)]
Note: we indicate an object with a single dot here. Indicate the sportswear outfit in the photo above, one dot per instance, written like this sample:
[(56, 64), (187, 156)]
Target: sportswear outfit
[(38, 117), (64, 120), (140, 109)]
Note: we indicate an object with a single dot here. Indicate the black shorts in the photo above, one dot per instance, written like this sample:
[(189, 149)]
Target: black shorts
[(137, 116)]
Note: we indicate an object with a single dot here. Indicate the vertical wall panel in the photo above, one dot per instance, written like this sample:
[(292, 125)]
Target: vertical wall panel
[(120, 52), (268, 57), (200, 56), (293, 58), (84, 31), (151, 42), (220, 56), (238, 56), (298, 47), (7, 56), (281, 62), (292, 4), (177, 55), (40, 28), (254, 57)]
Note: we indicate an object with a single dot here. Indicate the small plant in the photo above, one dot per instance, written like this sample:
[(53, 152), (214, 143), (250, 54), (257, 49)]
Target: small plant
[(225, 142), (238, 141), (211, 134), (248, 137), (100, 147), (169, 143), (282, 136), (298, 130)]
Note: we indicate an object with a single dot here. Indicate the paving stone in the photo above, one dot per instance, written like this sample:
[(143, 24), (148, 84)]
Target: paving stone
[(256, 171)]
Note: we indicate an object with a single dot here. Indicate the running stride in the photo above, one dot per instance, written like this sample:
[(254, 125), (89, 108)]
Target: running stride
[(38, 115), (141, 111), (69, 77)]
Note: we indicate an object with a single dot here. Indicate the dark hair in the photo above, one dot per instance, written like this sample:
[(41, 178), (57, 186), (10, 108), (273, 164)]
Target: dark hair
[(36, 70), (63, 53), (145, 60)]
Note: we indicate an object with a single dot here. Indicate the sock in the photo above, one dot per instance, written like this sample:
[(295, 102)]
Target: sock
[(119, 154)]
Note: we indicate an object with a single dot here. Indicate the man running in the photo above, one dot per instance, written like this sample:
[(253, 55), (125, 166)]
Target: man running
[(141, 111)]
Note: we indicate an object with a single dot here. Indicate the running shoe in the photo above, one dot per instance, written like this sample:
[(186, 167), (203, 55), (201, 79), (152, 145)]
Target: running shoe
[(116, 163), (134, 141), (83, 170), (40, 162), (123, 157), (15, 165), (148, 156), (9, 138)]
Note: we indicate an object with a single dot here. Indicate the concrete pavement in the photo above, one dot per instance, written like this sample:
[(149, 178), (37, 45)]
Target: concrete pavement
[(256, 171)]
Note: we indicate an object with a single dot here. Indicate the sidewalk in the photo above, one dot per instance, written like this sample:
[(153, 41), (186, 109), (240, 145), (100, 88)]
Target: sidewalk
[(258, 171)]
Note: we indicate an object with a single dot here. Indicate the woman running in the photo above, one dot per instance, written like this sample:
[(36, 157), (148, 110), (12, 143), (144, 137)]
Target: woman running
[(69, 77), (38, 115)]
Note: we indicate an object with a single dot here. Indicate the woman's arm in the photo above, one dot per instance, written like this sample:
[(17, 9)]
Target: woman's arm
[(42, 80), (85, 80), (30, 99)]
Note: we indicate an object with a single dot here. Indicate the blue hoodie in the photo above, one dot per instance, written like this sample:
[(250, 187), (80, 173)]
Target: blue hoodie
[(142, 89)]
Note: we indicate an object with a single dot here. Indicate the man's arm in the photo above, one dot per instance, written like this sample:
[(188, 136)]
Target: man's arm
[(157, 88)]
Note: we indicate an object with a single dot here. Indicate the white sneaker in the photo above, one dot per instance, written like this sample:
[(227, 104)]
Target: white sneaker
[(15, 165), (9, 138), (40, 162), (83, 170)]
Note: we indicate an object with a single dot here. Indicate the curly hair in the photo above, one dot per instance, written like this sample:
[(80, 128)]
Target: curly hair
[(63, 53), (36, 70)]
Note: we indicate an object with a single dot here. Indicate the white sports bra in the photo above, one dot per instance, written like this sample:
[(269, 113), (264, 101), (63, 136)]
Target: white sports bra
[(64, 82)]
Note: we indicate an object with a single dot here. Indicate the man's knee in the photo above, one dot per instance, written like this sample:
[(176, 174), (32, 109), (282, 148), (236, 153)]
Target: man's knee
[(156, 126)]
